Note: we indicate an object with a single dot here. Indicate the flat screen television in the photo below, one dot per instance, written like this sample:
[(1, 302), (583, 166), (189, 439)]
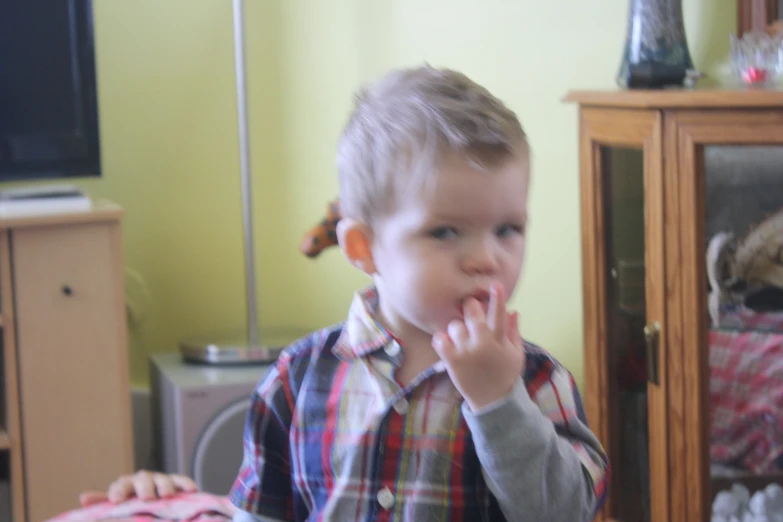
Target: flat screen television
[(48, 90)]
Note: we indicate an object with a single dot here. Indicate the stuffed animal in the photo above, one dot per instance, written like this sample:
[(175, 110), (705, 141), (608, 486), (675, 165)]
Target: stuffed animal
[(324, 234), (747, 270), (720, 270), (758, 260)]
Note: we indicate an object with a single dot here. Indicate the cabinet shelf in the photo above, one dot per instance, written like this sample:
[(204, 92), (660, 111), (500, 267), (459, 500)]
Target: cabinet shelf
[(5, 442)]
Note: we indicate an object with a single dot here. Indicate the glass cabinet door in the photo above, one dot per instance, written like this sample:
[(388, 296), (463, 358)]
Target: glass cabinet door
[(622, 223), (731, 207)]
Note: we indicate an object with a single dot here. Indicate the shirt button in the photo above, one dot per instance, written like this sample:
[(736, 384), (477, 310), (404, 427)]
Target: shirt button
[(385, 498), (392, 349), (401, 406)]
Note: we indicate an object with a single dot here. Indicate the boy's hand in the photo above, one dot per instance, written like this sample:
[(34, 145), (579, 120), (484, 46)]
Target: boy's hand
[(483, 354), (143, 484)]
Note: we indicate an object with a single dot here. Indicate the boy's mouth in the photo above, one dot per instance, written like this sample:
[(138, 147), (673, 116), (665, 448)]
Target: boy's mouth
[(482, 296)]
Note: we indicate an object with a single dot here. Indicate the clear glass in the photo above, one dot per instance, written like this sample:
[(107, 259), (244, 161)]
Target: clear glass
[(744, 264), (757, 58), (623, 175)]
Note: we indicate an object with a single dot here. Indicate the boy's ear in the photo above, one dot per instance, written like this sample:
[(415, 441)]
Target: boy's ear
[(354, 238)]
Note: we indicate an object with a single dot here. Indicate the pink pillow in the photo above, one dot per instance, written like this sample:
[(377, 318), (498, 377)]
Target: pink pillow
[(194, 507)]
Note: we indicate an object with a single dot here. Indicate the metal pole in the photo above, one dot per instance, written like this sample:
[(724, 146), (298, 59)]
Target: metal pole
[(244, 156)]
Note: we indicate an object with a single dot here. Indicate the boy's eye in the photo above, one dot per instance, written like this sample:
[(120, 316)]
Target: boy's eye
[(443, 233), (509, 229)]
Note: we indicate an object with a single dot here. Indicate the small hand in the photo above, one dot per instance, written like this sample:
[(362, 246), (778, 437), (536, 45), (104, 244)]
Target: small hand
[(145, 485), (483, 354)]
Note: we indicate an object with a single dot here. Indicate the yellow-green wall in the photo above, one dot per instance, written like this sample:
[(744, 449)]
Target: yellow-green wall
[(167, 107)]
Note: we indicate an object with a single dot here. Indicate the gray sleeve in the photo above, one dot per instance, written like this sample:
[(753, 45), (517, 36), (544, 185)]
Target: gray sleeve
[(244, 516), (537, 468)]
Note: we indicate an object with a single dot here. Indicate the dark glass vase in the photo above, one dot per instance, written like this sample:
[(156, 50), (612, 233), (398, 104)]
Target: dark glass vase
[(656, 51)]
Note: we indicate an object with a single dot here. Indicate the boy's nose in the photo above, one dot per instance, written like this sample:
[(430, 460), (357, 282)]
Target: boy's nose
[(482, 259)]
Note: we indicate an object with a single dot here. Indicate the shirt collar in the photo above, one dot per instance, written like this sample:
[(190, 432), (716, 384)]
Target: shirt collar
[(362, 332)]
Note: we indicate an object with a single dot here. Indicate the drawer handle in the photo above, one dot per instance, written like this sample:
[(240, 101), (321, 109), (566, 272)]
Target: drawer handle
[(67, 290)]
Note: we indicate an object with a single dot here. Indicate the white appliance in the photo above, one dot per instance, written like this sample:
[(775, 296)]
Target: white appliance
[(198, 415)]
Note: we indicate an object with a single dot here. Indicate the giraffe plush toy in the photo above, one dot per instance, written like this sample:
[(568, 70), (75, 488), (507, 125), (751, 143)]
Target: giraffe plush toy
[(324, 234)]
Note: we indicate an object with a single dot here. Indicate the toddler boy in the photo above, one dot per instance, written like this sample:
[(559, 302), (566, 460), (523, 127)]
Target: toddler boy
[(424, 404)]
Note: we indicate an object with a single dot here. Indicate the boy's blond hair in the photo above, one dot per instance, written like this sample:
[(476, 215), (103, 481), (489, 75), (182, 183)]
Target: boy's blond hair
[(404, 123)]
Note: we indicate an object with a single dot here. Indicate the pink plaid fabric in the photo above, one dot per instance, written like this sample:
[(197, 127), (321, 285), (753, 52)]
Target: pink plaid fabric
[(193, 507), (746, 391)]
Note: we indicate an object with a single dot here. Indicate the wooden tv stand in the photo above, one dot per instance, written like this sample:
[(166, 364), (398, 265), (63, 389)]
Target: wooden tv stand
[(65, 413)]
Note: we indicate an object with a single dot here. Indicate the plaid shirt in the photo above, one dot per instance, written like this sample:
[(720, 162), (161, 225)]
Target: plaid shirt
[(331, 435)]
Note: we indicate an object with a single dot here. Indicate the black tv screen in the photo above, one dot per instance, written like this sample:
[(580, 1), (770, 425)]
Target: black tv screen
[(48, 90)]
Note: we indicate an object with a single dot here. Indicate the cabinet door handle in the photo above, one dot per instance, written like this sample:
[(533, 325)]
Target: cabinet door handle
[(67, 290), (652, 339)]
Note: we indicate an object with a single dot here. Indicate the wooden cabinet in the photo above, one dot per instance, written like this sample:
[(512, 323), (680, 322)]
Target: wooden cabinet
[(682, 242), (759, 15), (67, 424)]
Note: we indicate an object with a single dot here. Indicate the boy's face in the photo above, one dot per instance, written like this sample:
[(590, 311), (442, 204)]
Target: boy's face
[(435, 250)]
